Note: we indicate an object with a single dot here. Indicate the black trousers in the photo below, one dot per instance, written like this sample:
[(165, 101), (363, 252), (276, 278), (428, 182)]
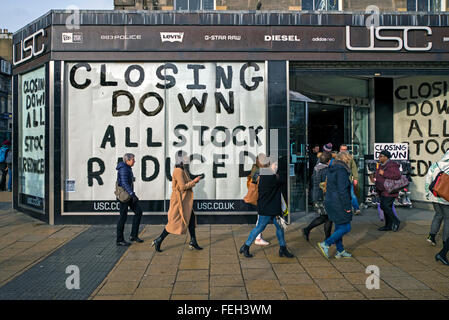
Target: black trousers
[(3, 179), (135, 207), (386, 204)]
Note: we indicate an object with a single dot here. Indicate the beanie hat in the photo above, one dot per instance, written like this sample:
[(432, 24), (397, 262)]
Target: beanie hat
[(386, 153), (327, 147)]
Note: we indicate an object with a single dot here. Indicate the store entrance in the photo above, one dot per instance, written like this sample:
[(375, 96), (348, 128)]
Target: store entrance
[(319, 117)]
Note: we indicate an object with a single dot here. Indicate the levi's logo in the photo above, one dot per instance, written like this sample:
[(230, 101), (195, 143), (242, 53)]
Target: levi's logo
[(172, 36)]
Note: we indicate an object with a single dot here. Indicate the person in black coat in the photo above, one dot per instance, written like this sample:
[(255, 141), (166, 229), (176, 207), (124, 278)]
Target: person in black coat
[(338, 204), (319, 176), (125, 179), (268, 207)]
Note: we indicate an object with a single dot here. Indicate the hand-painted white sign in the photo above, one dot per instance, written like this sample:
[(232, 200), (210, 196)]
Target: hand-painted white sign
[(216, 112), (32, 145), (421, 119), (399, 151)]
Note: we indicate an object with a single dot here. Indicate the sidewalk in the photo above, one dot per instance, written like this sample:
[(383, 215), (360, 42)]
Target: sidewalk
[(407, 266)]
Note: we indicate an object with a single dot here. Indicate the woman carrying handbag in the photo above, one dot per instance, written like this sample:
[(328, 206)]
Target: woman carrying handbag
[(251, 197), (268, 207), (441, 207), (180, 214)]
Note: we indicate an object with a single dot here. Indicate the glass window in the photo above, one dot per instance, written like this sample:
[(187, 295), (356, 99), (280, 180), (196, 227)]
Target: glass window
[(361, 5), (193, 5), (424, 5), (321, 5)]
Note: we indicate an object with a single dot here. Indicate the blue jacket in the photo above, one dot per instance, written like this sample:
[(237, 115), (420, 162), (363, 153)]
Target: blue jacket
[(125, 177), (338, 193)]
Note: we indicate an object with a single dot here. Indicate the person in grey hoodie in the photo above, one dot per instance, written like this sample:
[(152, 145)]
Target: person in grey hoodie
[(319, 176), (125, 179)]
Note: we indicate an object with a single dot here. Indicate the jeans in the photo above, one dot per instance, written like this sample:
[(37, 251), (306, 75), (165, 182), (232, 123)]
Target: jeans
[(134, 205), (261, 225), (441, 213), (355, 203), (337, 236)]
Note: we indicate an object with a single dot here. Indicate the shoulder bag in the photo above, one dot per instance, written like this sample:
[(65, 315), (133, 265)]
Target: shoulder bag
[(121, 193), (440, 185), (253, 194), (394, 186)]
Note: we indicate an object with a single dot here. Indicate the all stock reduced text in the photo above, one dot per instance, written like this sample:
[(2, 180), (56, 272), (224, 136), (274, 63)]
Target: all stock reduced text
[(219, 136)]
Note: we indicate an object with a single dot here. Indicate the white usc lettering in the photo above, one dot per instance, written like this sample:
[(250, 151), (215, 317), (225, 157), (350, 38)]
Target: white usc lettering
[(402, 40), (28, 48)]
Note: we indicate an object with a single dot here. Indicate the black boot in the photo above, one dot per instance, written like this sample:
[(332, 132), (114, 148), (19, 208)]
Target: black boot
[(194, 245), (305, 233), (245, 250), (284, 252), (442, 258), (157, 244)]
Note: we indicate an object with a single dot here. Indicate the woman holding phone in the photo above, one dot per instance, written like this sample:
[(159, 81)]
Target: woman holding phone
[(180, 214)]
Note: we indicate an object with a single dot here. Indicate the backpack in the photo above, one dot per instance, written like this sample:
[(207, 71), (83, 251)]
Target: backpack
[(3, 152)]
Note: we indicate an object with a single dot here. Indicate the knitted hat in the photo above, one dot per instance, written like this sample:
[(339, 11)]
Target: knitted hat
[(327, 147), (6, 142), (386, 153)]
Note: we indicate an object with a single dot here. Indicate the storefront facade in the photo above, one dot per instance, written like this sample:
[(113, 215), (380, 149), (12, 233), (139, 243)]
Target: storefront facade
[(223, 87)]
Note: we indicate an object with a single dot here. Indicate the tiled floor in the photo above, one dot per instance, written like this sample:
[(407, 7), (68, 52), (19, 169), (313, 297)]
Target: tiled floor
[(406, 262)]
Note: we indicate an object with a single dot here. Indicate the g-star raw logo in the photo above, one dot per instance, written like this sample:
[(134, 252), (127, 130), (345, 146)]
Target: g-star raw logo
[(401, 40), (172, 36)]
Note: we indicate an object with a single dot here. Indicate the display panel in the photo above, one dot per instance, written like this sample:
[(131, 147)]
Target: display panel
[(32, 111), (216, 112)]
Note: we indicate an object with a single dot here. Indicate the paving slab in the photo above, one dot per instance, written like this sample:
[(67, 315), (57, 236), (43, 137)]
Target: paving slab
[(31, 251)]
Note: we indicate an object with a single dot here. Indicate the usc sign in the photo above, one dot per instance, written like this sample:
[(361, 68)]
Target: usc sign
[(29, 48), (402, 40)]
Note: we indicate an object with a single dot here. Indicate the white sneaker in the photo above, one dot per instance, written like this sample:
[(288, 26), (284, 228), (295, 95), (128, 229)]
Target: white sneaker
[(261, 242)]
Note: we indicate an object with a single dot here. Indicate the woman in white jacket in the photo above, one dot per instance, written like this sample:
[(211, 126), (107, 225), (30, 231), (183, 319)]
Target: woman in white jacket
[(440, 206)]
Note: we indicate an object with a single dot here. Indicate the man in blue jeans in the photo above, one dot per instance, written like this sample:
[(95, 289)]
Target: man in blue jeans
[(353, 177)]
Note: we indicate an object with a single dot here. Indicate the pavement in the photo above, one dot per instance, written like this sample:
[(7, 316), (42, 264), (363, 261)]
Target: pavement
[(37, 261)]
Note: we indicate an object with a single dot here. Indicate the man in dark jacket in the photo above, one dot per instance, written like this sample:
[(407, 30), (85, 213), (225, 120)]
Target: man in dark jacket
[(268, 207), (338, 204), (125, 179), (387, 170)]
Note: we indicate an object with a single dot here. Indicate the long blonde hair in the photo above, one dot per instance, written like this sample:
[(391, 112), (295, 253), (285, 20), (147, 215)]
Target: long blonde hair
[(344, 156)]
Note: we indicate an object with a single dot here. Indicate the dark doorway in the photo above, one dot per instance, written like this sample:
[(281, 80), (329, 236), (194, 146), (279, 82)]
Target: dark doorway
[(328, 123)]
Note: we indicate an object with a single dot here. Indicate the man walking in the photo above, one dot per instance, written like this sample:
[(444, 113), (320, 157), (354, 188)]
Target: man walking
[(125, 179), (353, 177)]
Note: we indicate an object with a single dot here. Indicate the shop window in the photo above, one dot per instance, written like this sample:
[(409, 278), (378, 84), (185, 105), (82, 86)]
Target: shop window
[(293, 5), (193, 5), (425, 5), (362, 5), (321, 5)]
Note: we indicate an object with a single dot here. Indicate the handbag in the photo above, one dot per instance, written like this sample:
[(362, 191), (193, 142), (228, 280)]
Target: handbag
[(440, 185), (394, 186), (253, 193), (282, 222), (121, 193)]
